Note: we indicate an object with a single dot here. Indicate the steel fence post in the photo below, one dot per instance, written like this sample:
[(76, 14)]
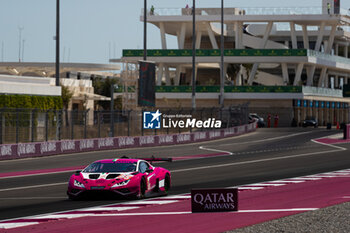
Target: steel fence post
[(191, 113), (46, 125), (72, 124), (1, 126), (129, 111), (179, 126), (59, 124), (17, 125), (85, 121), (32, 125), (202, 117), (142, 121), (99, 123)]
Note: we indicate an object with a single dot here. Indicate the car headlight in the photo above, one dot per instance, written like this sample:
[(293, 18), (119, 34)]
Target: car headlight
[(78, 184), (125, 182)]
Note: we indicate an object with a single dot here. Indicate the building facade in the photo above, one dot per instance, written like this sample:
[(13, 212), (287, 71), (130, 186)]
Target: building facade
[(292, 62)]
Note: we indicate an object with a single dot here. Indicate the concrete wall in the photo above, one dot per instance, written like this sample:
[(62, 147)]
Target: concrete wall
[(23, 85)]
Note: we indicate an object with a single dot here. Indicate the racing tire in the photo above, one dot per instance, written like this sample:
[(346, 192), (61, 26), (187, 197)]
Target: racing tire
[(166, 183), (156, 189), (142, 190)]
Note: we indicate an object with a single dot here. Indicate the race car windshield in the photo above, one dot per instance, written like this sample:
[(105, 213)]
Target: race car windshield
[(111, 167)]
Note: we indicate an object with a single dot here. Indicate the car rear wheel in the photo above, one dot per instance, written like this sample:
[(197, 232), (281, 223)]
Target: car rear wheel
[(167, 183), (142, 190)]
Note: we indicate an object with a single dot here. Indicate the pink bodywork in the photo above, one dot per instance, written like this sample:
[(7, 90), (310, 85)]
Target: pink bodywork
[(154, 180)]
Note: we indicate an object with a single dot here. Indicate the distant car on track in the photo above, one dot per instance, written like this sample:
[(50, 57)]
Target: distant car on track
[(255, 117), (310, 121), (124, 176)]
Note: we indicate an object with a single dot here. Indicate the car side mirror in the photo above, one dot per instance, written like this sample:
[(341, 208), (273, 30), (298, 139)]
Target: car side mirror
[(77, 172), (149, 170)]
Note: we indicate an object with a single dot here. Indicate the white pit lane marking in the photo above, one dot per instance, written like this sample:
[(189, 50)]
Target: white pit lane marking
[(287, 181), (304, 178), (70, 216), (110, 208), (17, 224), (249, 188), (177, 197), (155, 202), (263, 184)]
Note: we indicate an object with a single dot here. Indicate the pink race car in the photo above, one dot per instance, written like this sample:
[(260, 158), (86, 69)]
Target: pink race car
[(124, 176)]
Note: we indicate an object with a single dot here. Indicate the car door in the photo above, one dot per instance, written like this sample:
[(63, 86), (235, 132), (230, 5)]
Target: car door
[(146, 169)]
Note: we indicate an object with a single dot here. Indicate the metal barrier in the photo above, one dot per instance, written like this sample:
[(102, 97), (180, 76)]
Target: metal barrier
[(37, 149)]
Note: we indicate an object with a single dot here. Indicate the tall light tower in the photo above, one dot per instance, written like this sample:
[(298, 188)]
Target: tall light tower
[(222, 78), (145, 31), (57, 75), (20, 29), (194, 55)]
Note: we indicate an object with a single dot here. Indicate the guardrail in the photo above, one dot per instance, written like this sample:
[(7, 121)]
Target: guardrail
[(215, 52), (25, 150), (308, 10)]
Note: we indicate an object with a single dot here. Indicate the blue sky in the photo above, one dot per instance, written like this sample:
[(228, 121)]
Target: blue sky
[(94, 30)]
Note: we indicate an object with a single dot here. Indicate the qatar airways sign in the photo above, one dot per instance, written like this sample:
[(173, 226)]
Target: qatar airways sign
[(214, 200)]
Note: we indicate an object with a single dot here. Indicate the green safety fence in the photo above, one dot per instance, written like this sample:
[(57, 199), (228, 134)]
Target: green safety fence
[(215, 52)]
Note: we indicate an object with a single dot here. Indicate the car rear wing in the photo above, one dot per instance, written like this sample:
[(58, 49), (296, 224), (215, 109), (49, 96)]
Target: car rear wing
[(153, 159)]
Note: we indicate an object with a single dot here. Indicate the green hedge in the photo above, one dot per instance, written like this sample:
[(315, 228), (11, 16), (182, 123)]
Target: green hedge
[(31, 102)]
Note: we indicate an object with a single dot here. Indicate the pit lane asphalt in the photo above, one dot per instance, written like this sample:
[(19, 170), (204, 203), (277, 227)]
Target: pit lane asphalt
[(268, 154)]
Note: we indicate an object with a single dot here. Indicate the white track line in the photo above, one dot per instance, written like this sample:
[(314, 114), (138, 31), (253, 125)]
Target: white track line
[(38, 174), (263, 184), (304, 178), (110, 208), (267, 139), (155, 202), (336, 149), (17, 224), (33, 186), (254, 161), (248, 188), (287, 181), (215, 150)]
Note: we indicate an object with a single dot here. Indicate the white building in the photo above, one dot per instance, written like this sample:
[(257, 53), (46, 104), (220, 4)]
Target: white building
[(275, 59)]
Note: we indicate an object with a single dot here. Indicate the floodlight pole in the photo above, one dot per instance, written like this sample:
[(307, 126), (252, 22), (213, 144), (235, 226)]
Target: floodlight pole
[(194, 55), (222, 78), (145, 31), (112, 111), (57, 75)]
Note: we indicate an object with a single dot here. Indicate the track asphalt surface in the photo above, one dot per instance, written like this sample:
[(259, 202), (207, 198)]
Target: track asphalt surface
[(265, 155)]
